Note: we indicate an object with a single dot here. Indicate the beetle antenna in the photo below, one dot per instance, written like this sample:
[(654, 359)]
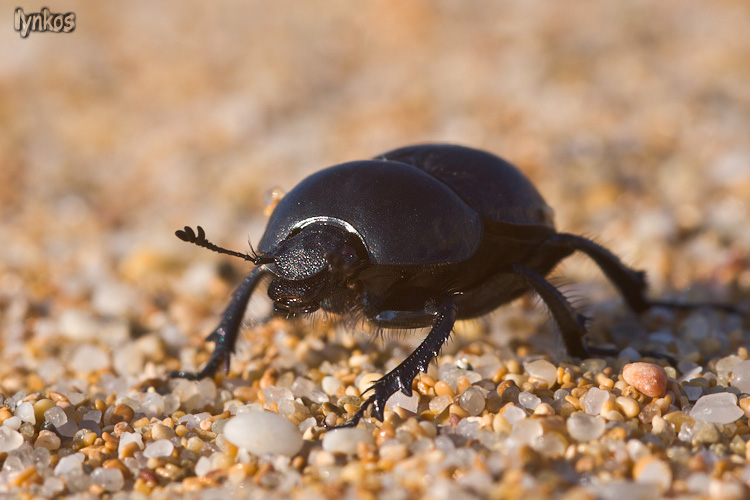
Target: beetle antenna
[(199, 239), (253, 253)]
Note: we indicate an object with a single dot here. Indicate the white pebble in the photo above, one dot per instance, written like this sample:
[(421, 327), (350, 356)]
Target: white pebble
[(89, 358), (741, 377), (77, 324), (203, 466), (262, 432), (401, 400), (129, 437), (13, 422), (152, 405), (330, 385), (583, 427), (52, 487), (345, 440), (158, 448), (468, 427), (440, 403), (9, 439), (593, 401), (526, 432), (718, 408), (108, 479), (528, 400), (697, 483), (112, 299), (56, 416), (725, 366), (302, 387), (513, 414), (653, 471), (276, 395), (69, 464), (25, 411), (128, 360), (542, 369), (50, 369)]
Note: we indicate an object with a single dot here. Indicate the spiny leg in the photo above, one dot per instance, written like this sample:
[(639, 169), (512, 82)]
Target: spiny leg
[(401, 377), (225, 335), (572, 324), (631, 283)]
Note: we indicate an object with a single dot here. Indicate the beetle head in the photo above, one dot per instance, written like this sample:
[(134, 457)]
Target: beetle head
[(311, 264)]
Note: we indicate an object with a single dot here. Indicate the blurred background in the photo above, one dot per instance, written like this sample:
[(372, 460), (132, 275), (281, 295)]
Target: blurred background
[(632, 118)]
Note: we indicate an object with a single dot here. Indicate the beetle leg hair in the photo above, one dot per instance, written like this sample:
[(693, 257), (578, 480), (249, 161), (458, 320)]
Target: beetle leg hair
[(631, 283), (572, 324), (225, 335), (401, 377)]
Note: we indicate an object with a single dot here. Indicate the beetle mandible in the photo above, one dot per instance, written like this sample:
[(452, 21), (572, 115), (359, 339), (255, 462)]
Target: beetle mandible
[(420, 236)]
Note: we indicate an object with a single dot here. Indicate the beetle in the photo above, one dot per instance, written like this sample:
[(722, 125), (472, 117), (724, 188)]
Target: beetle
[(419, 236)]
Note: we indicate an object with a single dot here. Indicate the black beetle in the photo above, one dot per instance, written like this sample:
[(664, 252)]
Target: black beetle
[(422, 235)]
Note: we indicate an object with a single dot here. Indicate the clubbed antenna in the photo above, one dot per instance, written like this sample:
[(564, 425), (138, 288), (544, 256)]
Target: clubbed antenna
[(199, 239)]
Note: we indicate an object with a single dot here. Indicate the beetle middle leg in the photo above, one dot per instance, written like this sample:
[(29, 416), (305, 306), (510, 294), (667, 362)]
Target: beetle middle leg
[(225, 335), (401, 377), (572, 324)]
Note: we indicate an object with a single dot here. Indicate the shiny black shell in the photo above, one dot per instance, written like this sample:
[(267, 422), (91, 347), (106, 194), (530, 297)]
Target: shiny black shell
[(417, 205)]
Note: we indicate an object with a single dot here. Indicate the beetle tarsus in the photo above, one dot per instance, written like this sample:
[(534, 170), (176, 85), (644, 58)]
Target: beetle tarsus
[(402, 377), (225, 335)]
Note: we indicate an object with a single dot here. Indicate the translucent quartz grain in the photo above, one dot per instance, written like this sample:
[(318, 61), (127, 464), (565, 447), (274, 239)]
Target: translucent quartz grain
[(528, 400), (594, 400), (56, 416), (346, 440), (472, 400), (109, 479), (583, 427), (720, 408), (543, 370), (159, 448), (741, 376), (9, 439)]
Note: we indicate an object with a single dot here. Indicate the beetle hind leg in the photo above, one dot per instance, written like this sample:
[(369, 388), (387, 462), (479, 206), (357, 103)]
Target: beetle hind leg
[(630, 283), (401, 377)]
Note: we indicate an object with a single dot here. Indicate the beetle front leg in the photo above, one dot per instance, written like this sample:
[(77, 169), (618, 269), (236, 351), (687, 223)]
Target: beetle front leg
[(401, 377), (225, 335)]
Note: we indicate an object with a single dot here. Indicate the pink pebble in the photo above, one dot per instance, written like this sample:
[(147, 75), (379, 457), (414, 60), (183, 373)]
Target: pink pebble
[(649, 379)]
